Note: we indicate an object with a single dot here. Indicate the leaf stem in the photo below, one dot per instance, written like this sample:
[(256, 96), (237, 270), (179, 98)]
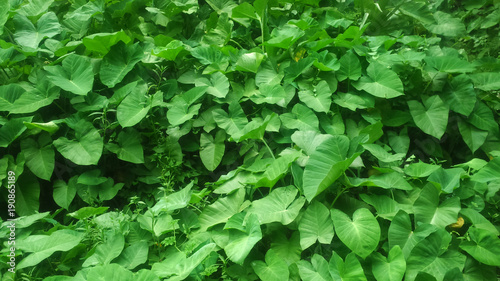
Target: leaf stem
[(268, 148)]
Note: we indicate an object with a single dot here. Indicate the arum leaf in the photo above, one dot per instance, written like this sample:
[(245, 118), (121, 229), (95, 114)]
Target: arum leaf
[(274, 269), (391, 180), (40, 157), (382, 155), (75, 75), (64, 193), (27, 35), (318, 98), (129, 147), (486, 81), (428, 210), (449, 64), (221, 210), (420, 169), (279, 206), (484, 247), (350, 67), (361, 234), (447, 179), (446, 25), (134, 255), (249, 62), (316, 270), (211, 151), (382, 82), (85, 149), (489, 172), (234, 122), (350, 270), (432, 117), (301, 118), (119, 61), (391, 268), (134, 107), (218, 84), (460, 95), (102, 42), (314, 225)]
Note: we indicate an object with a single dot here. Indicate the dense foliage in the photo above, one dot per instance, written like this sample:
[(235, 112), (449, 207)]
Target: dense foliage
[(272, 139)]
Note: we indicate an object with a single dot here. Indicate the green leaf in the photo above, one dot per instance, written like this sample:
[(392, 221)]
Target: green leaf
[(181, 108), (43, 246), (27, 195), (489, 172), (382, 82), (315, 224), (221, 210), (482, 118), (40, 157), (361, 234), (218, 84), (391, 268), (134, 255), (129, 147), (350, 270), (35, 98), (318, 97), (87, 212), (11, 130), (354, 101), (174, 201), (170, 51), (63, 193), (432, 117), (85, 149), (50, 127), (446, 180), (420, 169), (102, 42), (9, 94), (446, 25), (242, 240), (29, 36), (486, 81), (271, 94), (279, 206), (386, 207), (134, 107), (274, 269), (308, 140), (249, 62), (316, 270), (382, 155), (212, 150), (107, 251), (391, 180), (118, 62), (350, 67), (301, 118), (284, 36), (460, 95), (428, 210), (325, 165), (484, 247), (75, 75), (450, 64)]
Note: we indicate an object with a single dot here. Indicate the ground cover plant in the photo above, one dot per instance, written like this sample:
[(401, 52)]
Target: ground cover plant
[(264, 140)]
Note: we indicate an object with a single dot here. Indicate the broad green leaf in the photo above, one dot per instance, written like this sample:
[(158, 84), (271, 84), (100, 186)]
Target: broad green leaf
[(432, 256), (420, 169), (50, 127), (278, 169), (221, 210), (249, 62), (212, 150), (431, 117), (87, 212), (174, 201), (242, 240), (35, 7), (315, 224), (27, 195), (280, 205), (350, 67), (217, 85), (109, 272), (391, 268), (234, 122), (296, 68), (316, 270), (285, 36), (271, 94), (308, 140), (75, 75), (489, 172), (9, 94), (419, 11), (301, 118), (354, 101), (43, 246), (40, 156), (11, 130), (486, 81), (325, 165), (460, 95), (170, 51), (28, 35), (85, 149), (381, 82), (446, 180), (102, 42), (400, 143), (134, 255), (4, 14), (482, 118), (350, 270), (134, 107), (484, 247), (386, 207), (107, 251), (446, 25), (274, 269), (318, 98), (361, 234), (129, 147), (402, 234), (449, 64), (64, 193), (479, 221), (381, 154), (428, 210), (118, 62), (286, 248)]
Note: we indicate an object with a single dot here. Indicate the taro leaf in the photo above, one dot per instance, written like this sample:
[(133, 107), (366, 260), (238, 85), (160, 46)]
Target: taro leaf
[(295, 69), (301, 118), (221, 210), (489, 172), (391, 180), (326, 165), (285, 36), (432, 117), (460, 95), (104, 253), (212, 150), (432, 256), (40, 157), (241, 241), (17, 99), (420, 169), (279, 206), (446, 179), (308, 140), (386, 207), (181, 108), (446, 25), (350, 67), (27, 35), (102, 42), (11, 130), (382, 82), (134, 255), (64, 193), (218, 84), (318, 98), (133, 108), (9, 94), (119, 61), (449, 64), (249, 62), (278, 169), (270, 94), (484, 246), (428, 210), (43, 246), (354, 101), (350, 270), (486, 81), (391, 268), (85, 149), (4, 14), (382, 155), (399, 143), (170, 51), (361, 234), (479, 221), (316, 270), (315, 224), (174, 201), (129, 147), (27, 194), (75, 75), (234, 122), (109, 272), (274, 269), (482, 118)]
